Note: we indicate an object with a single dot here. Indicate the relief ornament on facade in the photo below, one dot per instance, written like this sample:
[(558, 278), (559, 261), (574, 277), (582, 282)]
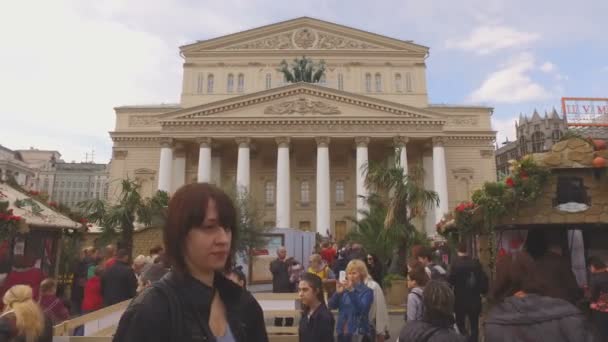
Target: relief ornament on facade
[(302, 106), (142, 120), (304, 38)]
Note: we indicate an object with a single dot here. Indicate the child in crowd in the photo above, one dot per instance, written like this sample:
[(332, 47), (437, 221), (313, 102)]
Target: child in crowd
[(51, 305)]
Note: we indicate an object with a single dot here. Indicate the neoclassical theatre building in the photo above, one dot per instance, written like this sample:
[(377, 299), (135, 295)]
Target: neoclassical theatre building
[(298, 148)]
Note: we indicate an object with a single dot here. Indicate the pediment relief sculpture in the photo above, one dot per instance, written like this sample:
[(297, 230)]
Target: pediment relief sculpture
[(142, 120), (304, 38), (302, 106)]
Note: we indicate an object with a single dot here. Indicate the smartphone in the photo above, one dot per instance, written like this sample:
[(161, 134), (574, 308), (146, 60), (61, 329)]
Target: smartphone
[(342, 277)]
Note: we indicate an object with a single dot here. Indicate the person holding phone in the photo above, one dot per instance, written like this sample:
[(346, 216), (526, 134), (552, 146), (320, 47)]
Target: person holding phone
[(317, 322), (353, 300)]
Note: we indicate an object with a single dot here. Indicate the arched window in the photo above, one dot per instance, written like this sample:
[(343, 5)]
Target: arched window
[(408, 82), (378, 82), (230, 83), (556, 135), (398, 84), (210, 83), (304, 192), (340, 81), (241, 83), (199, 83), (368, 83), (268, 81), (538, 142)]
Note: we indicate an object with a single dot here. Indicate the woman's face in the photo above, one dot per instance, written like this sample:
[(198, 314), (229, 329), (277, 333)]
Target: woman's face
[(354, 276), (307, 294), (370, 260), (315, 264), (410, 283), (207, 246)]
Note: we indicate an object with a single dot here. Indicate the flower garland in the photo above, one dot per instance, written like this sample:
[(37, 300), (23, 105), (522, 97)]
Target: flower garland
[(9, 223)]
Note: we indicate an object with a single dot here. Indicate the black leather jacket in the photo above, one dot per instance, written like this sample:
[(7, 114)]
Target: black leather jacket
[(149, 316)]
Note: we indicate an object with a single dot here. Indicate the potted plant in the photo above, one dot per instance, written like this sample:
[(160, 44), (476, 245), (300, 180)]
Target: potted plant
[(395, 287)]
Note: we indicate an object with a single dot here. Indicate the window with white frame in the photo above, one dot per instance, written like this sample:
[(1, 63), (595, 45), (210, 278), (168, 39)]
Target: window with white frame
[(200, 83), (241, 83), (268, 81), (378, 81), (269, 193), (210, 80), (340, 81), (230, 83), (368, 83), (304, 192), (398, 85), (408, 82), (340, 192)]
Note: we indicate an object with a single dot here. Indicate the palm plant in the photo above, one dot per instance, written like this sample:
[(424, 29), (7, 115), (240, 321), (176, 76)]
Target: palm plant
[(302, 70), (406, 199), (130, 209)]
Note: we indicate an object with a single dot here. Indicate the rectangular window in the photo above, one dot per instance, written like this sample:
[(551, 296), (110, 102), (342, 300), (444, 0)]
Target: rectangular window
[(305, 226), (268, 81), (269, 193), (340, 192), (408, 82), (340, 81), (200, 82), (305, 193)]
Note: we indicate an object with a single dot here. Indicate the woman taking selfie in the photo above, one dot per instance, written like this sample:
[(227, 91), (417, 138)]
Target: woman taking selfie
[(317, 322), (195, 301), (353, 300)]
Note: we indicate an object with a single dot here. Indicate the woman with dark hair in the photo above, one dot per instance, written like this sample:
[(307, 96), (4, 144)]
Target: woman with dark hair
[(521, 312), (317, 322), (437, 324), (375, 268), (416, 281), (195, 301)]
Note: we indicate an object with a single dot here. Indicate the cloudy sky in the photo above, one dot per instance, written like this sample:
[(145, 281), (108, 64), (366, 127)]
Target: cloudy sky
[(65, 64)]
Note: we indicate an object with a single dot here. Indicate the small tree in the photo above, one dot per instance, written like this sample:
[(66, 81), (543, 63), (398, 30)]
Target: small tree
[(302, 70), (121, 217), (406, 199)]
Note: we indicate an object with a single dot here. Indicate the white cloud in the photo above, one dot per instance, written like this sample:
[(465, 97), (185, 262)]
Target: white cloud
[(511, 83), (547, 67), (488, 39), (63, 73), (505, 128)]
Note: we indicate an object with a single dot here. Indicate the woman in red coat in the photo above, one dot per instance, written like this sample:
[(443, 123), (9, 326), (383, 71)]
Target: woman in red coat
[(92, 292)]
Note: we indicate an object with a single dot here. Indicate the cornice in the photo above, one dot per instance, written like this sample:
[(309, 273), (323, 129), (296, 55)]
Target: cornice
[(295, 90)]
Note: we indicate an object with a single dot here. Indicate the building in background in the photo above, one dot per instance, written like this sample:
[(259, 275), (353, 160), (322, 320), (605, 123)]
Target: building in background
[(42, 162), (13, 165), (77, 182), (534, 134)]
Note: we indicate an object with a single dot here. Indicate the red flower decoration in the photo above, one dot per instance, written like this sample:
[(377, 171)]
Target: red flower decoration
[(509, 181), (515, 243), (84, 220), (502, 252)]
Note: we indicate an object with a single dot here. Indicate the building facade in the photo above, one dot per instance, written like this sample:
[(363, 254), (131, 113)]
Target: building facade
[(42, 162), (535, 134), (77, 182), (13, 165), (300, 149)]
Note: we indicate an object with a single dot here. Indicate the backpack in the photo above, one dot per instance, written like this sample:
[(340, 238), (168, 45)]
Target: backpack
[(175, 309), (477, 280)]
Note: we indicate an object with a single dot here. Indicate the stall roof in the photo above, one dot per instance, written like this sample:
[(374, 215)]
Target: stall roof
[(45, 218)]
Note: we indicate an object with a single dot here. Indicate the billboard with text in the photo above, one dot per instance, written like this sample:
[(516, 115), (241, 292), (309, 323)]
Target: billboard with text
[(585, 111)]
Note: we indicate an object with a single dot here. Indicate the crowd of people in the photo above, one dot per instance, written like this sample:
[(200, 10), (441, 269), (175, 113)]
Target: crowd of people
[(190, 291)]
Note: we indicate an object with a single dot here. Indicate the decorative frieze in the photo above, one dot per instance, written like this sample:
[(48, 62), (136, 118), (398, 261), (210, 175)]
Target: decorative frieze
[(302, 106), (142, 120), (464, 121)]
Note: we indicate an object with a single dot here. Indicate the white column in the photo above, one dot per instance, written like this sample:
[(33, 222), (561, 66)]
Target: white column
[(204, 160), (166, 164), (283, 200), (361, 172), (401, 143), (179, 170), (323, 187), (243, 166), (440, 178)]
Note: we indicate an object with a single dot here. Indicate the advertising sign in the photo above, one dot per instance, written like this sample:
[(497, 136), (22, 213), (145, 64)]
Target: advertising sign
[(585, 111)]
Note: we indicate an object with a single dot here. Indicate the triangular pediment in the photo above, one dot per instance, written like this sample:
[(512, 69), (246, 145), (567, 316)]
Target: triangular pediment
[(306, 34), (302, 100)]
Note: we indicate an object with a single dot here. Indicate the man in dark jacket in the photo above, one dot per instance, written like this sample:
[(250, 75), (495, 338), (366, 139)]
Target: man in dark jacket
[(469, 282), (280, 280), (118, 283)]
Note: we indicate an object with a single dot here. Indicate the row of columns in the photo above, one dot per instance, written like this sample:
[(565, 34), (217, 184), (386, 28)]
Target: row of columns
[(283, 188)]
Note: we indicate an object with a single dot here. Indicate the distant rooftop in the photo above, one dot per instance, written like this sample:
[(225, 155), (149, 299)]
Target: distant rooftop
[(80, 167)]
